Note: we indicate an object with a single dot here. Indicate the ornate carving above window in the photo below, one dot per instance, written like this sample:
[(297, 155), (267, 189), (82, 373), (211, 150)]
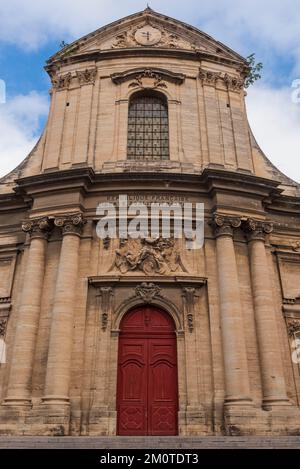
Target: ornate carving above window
[(148, 127), (164, 75)]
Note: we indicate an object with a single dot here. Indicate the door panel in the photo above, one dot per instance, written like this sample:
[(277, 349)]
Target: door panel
[(132, 387), (147, 394), (162, 390)]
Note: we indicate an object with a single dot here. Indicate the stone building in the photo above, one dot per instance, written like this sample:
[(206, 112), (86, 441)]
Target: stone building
[(148, 337)]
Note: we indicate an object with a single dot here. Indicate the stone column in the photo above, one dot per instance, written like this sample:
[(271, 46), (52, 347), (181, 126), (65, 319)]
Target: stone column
[(20, 376), (274, 389), (237, 388), (60, 345)]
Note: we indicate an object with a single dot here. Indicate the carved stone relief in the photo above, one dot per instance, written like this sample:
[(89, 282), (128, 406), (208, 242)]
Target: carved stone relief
[(148, 34), (293, 327), (87, 76), (61, 82), (71, 224), (3, 322), (105, 296), (190, 296), (148, 291), (224, 225), (232, 83), (257, 229), (39, 227), (83, 77), (148, 79), (151, 256)]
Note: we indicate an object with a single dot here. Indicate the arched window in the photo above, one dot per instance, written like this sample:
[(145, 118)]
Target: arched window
[(148, 127)]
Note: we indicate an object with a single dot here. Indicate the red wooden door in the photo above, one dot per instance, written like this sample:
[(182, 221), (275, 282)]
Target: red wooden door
[(147, 394)]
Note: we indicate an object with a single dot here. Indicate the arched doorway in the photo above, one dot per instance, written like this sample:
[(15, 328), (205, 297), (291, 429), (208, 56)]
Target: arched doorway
[(147, 389)]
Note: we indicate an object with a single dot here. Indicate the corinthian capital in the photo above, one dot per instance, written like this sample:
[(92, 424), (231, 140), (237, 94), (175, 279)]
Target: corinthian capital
[(70, 224), (37, 227), (257, 229), (87, 76), (224, 225), (209, 77)]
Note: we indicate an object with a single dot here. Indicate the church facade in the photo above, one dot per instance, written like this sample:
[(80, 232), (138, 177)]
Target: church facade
[(146, 336)]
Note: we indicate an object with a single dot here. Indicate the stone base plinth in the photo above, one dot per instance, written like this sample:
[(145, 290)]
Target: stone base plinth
[(280, 420), (53, 420)]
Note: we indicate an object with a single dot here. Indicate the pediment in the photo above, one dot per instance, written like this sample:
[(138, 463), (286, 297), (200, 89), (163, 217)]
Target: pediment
[(148, 29)]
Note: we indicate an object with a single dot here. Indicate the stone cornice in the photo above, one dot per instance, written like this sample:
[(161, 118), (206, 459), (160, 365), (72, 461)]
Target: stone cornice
[(212, 182), (96, 56), (211, 179), (114, 280)]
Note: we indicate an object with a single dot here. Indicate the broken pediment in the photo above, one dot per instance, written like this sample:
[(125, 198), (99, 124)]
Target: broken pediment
[(147, 29)]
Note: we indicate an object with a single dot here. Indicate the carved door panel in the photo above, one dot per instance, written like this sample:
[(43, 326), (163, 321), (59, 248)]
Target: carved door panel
[(162, 387), (132, 387), (147, 394)]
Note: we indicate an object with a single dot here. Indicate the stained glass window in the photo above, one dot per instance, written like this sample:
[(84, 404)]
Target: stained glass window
[(148, 128)]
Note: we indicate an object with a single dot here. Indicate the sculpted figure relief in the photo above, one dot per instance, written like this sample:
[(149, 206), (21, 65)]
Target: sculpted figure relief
[(151, 256)]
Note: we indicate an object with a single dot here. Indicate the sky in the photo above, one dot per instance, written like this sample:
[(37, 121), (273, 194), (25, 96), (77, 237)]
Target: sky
[(31, 31)]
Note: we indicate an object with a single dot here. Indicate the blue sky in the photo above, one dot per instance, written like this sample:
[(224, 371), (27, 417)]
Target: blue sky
[(32, 31)]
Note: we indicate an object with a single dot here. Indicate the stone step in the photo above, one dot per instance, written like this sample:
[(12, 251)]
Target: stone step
[(213, 442)]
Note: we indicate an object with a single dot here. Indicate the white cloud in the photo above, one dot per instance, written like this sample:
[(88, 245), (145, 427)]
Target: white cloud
[(275, 121), (272, 23), (20, 127)]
